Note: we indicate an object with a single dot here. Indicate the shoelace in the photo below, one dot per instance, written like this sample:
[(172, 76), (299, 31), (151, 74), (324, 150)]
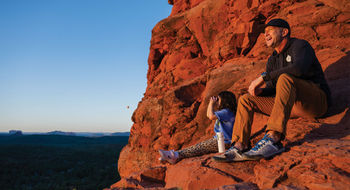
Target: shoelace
[(261, 143), (172, 153), (230, 150)]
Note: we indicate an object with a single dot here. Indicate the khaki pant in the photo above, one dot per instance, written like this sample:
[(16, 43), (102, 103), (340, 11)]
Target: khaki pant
[(296, 97)]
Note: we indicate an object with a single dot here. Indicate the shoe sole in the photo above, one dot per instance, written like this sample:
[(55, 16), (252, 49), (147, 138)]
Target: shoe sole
[(258, 157), (221, 159), (255, 158), (275, 153), (226, 160), (237, 160)]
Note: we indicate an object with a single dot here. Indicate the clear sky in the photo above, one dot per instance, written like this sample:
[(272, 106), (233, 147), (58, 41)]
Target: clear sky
[(74, 65)]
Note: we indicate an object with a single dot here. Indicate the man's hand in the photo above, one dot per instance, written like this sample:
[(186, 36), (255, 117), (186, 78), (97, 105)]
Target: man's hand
[(254, 87)]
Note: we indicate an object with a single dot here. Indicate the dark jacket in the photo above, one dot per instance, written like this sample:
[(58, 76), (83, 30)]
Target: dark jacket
[(299, 60)]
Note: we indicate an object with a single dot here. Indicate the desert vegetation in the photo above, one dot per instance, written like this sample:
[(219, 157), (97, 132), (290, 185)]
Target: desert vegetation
[(59, 162)]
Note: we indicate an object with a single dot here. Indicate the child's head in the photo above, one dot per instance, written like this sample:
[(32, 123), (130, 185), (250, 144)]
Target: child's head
[(227, 100)]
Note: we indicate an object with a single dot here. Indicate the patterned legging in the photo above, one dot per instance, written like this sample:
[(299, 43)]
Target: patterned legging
[(202, 148)]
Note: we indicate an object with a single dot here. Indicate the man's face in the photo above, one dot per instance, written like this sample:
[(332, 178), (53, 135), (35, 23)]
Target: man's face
[(273, 36)]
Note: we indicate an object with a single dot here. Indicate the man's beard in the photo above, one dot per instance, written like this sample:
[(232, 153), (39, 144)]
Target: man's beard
[(277, 42)]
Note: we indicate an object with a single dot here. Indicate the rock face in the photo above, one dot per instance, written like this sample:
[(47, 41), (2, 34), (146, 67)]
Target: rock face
[(206, 46)]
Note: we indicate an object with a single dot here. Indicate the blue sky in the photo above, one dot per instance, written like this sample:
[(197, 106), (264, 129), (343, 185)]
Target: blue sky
[(74, 65)]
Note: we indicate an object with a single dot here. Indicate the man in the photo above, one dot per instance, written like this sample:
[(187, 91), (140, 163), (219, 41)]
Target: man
[(294, 84)]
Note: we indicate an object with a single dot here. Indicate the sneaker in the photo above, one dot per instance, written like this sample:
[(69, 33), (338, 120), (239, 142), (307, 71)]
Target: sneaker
[(265, 148), (169, 156), (231, 155)]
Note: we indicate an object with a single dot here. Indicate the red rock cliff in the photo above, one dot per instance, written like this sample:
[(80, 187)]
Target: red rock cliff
[(206, 46)]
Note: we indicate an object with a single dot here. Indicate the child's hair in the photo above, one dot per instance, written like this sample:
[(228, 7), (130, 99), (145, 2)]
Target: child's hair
[(228, 100)]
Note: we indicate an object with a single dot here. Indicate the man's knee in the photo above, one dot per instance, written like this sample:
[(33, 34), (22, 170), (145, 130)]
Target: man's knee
[(285, 79), (244, 99)]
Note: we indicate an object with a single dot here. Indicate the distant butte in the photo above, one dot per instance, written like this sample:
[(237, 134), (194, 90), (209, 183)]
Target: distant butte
[(206, 46)]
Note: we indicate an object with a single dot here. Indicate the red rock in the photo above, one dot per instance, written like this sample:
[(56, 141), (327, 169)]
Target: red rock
[(150, 178), (206, 46), (193, 175), (183, 5), (239, 186)]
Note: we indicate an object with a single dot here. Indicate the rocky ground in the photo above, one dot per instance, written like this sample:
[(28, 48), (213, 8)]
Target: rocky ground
[(206, 46)]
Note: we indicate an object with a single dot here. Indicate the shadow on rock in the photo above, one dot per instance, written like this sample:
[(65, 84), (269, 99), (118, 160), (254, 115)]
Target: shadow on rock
[(331, 131), (338, 76)]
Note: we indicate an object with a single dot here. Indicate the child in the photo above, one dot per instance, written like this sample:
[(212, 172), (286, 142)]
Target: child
[(225, 118)]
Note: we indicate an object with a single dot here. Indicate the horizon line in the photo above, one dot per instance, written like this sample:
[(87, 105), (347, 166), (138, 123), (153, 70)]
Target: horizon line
[(66, 132)]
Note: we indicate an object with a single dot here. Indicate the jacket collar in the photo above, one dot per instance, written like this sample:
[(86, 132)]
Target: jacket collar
[(289, 42)]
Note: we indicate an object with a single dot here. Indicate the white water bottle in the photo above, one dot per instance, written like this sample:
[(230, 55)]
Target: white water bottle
[(221, 142)]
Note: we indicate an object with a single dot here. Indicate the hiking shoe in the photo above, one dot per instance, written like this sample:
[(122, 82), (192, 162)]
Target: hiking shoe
[(265, 148), (169, 156), (231, 155)]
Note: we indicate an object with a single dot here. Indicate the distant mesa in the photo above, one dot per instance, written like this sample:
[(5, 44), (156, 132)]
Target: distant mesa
[(15, 132), (87, 134), (121, 134), (61, 133)]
